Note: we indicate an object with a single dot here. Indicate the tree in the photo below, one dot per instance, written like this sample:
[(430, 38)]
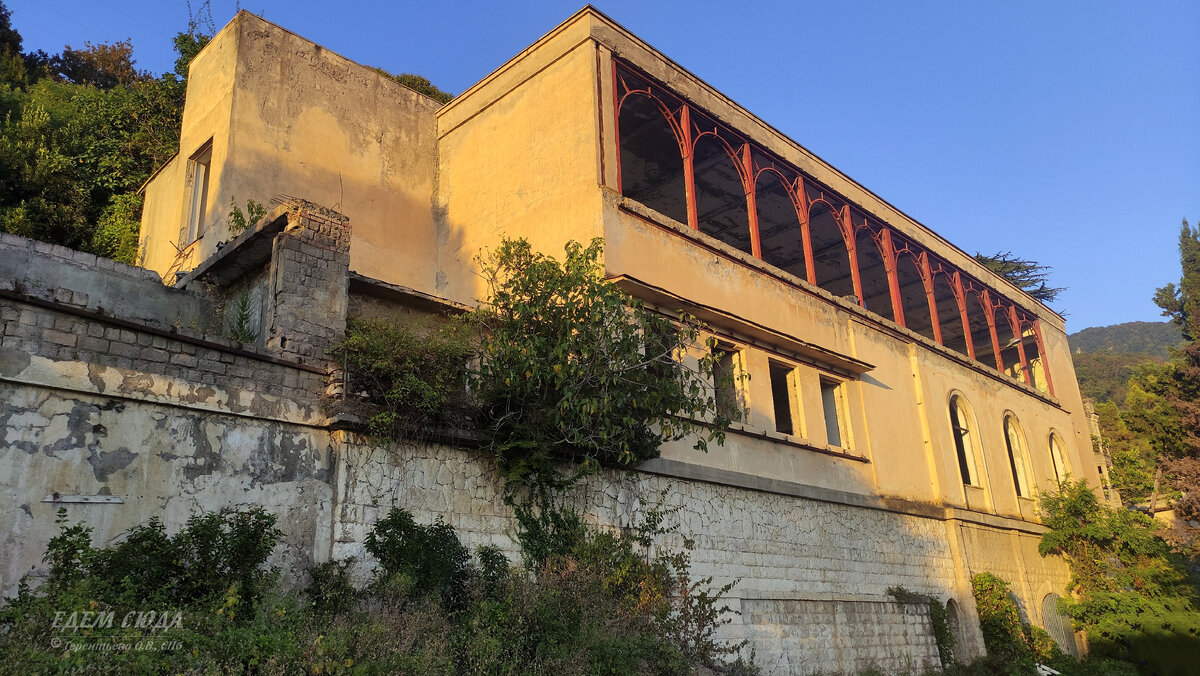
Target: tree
[(1182, 303), (104, 66), (419, 84), (574, 370), (1029, 276), (1132, 595)]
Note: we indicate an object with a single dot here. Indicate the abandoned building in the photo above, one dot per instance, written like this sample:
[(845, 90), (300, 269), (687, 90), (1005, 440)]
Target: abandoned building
[(905, 406)]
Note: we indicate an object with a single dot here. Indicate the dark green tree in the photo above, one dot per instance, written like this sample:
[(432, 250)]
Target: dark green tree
[(1029, 276)]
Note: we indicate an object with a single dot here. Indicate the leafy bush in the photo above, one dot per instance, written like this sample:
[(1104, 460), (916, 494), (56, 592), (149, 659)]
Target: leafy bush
[(329, 590), (430, 559), (607, 607), (1000, 622), (575, 370), (240, 221), (406, 376)]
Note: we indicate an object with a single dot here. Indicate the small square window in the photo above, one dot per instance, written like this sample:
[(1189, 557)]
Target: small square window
[(831, 405), (783, 397)]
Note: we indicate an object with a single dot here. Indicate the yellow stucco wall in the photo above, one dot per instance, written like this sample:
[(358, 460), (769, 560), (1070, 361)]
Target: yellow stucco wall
[(530, 151), (290, 117), (517, 157)]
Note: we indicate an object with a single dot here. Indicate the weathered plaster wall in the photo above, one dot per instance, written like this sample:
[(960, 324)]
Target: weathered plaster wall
[(287, 116)]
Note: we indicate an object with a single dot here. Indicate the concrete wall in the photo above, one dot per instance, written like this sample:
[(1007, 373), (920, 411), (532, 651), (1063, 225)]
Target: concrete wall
[(290, 117), (518, 156)]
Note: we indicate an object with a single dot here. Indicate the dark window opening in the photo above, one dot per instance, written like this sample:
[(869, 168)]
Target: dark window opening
[(831, 260), (831, 405), (200, 165), (1037, 365), (1010, 353), (782, 397), (779, 226), (721, 208), (963, 440), (981, 334), (913, 298), (725, 382), (1016, 456), (872, 274), (651, 165), (949, 318)]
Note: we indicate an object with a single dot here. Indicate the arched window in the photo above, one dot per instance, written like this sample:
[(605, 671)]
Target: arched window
[(779, 225), (721, 207), (1018, 457), (831, 259), (1058, 626), (872, 273), (949, 317), (651, 163), (1059, 457), (913, 297), (966, 440), (981, 333), (1010, 352)]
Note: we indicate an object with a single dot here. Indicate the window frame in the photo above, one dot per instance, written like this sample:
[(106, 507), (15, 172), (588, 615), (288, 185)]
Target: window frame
[(198, 201), (1062, 467), (972, 449), (837, 388), (791, 385), (1018, 458)]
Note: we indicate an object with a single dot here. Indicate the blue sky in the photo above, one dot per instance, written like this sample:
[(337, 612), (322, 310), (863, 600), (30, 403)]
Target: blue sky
[(1067, 132)]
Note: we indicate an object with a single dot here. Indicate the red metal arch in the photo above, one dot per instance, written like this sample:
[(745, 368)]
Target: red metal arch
[(676, 128)]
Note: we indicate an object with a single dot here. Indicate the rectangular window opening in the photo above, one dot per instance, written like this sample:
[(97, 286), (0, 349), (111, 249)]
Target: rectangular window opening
[(725, 376), (199, 169), (783, 397), (831, 404)]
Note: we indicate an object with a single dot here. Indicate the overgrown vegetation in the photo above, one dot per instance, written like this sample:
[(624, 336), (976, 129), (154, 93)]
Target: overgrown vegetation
[(574, 372), (566, 372), (607, 605), (419, 84), (404, 377), (1128, 590), (939, 617), (240, 221), (241, 321)]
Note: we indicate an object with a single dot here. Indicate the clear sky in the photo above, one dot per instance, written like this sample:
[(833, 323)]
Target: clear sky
[(1067, 132)]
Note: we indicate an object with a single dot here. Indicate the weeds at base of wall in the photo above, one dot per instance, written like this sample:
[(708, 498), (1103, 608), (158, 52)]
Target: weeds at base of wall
[(431, 609), (943, 633)]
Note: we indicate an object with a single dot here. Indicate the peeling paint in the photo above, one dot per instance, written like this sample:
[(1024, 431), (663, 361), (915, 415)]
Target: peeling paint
[(104, 464), (12, 362)]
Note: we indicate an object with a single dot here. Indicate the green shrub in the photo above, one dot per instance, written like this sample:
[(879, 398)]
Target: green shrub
[(329, 589), (1000, 621), (429, 559), (406, 376)]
